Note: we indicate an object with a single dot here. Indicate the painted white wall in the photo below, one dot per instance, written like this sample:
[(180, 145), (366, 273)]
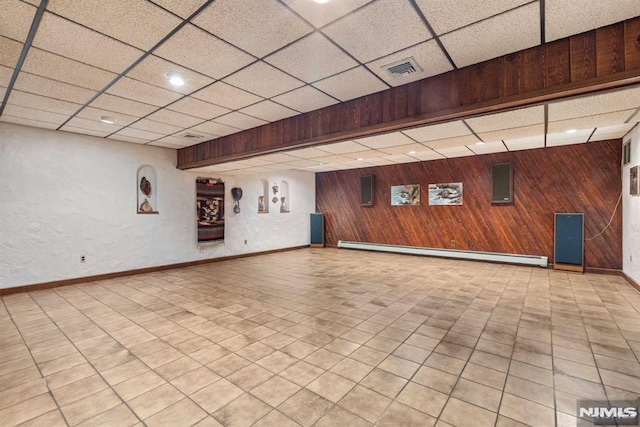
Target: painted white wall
[(63, 195), (631, 213)]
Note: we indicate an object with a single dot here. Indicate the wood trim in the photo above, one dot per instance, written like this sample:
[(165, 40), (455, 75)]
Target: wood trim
[(106, 276), (602, 60), (597, 270), (631, 281)]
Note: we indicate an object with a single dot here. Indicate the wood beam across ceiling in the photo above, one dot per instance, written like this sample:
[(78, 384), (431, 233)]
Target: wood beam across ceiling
[(603, 59)]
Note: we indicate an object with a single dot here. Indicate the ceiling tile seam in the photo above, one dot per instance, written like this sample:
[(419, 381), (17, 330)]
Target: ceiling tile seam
[(505, 145), (23, 54), (592, 133), (472, 131), (138, 61), (632, 115), (469, 148), (543, 35), (167, 10), (435, 36)]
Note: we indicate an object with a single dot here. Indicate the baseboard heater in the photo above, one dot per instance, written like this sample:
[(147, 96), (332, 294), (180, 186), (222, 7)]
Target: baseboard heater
[(540, 261)]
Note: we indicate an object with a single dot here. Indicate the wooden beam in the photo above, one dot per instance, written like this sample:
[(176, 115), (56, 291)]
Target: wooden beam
[(603, 59)]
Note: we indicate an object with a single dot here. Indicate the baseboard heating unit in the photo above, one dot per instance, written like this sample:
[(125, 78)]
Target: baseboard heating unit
[(537, 260)]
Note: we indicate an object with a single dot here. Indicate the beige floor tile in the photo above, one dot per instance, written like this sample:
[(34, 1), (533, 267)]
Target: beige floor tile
[(365, 403), (27, 409), (299, 349), (477, 394), (412, 353), (398, 366), (369, 356), (79, 390), (275, 390), (338, 416), (229, 364), (90, 406), (530, 391), (177, 368), (216, 395), (526, 411), (383, 344), (622, 381), (459, 413), (195, 380), (278, 340), (357, 336), (384, 383), (617, 365), (136, 386), (445, 363), (579, 386), (255, 351), (155, 400), (277, 361), (243, 411), (302, 373), (50, 419), (17, 378), (423, 399), (71, 375), (352, 369), (22, 392), (531, 373), (435, 379), (489, 360), (324, 359), (118, 416), (566, 353), (331, 386), (250, 376), (401, 415), (486, 376), (276, 418), (305, 407), (124, 372)]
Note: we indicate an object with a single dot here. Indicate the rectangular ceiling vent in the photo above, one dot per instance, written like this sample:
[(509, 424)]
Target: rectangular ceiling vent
[(190, 135), (403, 67)]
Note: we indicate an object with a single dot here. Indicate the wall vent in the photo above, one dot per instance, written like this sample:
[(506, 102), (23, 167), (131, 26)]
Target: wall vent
[(190, 135), (403, 67)]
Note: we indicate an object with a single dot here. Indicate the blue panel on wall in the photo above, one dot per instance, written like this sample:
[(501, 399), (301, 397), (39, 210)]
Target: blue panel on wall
[(317, 229), (569, 239)]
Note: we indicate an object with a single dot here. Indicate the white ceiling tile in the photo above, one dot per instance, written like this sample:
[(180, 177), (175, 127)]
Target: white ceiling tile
[(302, 163), (124, 138), (3, 91), (56, 67), (93, 113), (385, 140), (170, 142), (567, 17), (83, 131), (264, 80), (5, 75), (447, 15), (521, 132), (455, 152), (365, 154), (53, 89), (142, 92), (428, 56), (611, 132), (16, 19), (30, 100), (400, 158), (196, 137), (34, 114), (280, 166), (525, 143), (457, 141), (182, 8), (269, 111), (307, 153), (595, 104), (332, 159), (153, 70), (165, 144), (189, 47), (239, 120), (488, 147), (139, 134), (57, 35), (436, 132), (255, 161), (126, 106), (216, 128), (342, 147), (606, 119), (279, 158), (9, 52), (428, 155), (96, 125), (136, 22), (322, 14), (507, 120), (410, 149), (351, 84), (226, 96), (510, 32), (27, 122), (256, 26), (379, 29), (312, 58), (563, 138), (197, 108), (305, 99), (381, 162), (151, 126), (174, 118)]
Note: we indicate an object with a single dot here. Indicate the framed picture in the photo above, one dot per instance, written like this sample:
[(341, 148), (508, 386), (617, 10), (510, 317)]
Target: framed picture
[(445, 194), (402, 195), (634, 181)]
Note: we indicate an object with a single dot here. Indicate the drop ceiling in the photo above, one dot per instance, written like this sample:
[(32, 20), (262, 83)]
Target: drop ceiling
[(250, 62)]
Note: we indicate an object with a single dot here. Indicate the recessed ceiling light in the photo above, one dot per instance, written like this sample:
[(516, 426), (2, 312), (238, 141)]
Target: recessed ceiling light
[(359, 159), (479, 143), (412, 152), (108, 120), (321, 1), (572, 131), (176, 79)]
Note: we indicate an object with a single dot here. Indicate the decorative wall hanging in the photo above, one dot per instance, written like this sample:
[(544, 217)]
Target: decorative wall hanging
[(405, 195), (210, 209), (236, 193), (146, 190), (445, 194), (263, 199), (634, 181), (284, 197)]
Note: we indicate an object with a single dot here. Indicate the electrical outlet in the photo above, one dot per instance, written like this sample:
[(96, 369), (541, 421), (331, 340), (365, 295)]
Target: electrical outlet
[(245, 241), (453, 243), (83, 259)]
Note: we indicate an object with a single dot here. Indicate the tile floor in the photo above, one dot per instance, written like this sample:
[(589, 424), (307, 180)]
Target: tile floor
[(322, 337)]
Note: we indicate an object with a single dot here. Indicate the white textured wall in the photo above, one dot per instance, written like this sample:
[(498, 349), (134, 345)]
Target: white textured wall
[(631, 214), (64, 195)]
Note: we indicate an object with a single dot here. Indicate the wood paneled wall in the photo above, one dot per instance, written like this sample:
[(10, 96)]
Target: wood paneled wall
[(575, 178)]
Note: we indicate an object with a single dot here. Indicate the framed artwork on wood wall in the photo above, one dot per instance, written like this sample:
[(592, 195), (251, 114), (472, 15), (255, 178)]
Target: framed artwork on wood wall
[(403, 195), (449, 194)]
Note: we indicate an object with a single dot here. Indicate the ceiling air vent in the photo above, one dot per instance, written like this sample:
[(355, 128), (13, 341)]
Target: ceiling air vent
[(403, 67), (190, 135)]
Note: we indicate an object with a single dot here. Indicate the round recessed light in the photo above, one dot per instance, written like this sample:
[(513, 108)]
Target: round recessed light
[(412, 152), (321, 1), (359, 159), (176, 79), (572, 131), (107, 120), (480, 143)]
